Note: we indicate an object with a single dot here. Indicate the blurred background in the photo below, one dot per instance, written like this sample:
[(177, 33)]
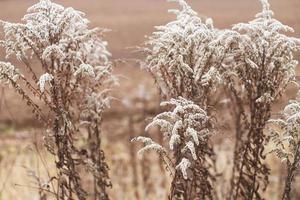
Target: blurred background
[(136, 97)]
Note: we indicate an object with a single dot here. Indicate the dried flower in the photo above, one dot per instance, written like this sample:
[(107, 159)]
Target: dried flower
[(43, 80)]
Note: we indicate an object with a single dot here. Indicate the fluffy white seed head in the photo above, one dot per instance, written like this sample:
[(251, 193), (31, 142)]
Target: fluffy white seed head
[(182, 54), (193, 134), (45, 78), (150, 145), (183, 166), (285, 132), (85, 69), (8, 73)]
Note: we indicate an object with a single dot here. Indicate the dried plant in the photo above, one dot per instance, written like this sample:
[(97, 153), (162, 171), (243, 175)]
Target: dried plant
[(187, 128), (183, 56), (67, 85), (76, 73), (262, 65), (285, 135)]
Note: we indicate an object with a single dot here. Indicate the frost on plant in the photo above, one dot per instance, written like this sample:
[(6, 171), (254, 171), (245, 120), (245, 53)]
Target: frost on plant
[(266, 52), (286, 132), (45, 78), (53, 51), (8, 73), (85, 69), (285, 135), (183, 167), (187, 128), (74, 62), (150, 145), (184, 55), (263, 65)]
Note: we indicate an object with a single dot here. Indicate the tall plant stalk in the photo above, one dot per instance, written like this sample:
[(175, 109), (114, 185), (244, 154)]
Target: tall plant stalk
[(75, 74), (262, 66)]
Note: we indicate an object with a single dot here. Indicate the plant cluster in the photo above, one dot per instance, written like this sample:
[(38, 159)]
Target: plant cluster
[(253, 61), (71, 78), (182, 56), (187, 129), (263, 66), (66, 77), (285, 134)]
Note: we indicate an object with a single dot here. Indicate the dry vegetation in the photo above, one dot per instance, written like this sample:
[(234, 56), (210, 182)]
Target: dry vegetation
[(68, 109)]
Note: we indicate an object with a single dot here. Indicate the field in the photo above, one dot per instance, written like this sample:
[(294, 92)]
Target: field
[(22, 155)]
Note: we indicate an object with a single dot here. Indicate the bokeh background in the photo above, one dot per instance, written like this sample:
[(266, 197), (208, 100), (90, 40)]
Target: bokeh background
[(136, 99)]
